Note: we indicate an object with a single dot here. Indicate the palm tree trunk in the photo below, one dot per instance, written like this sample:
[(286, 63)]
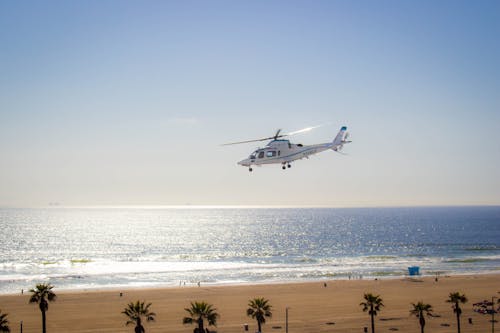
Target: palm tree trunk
[(258, 324), (373, 319), (44, 329), (138, 327), (200, 325), (422, 322), (458, 321)]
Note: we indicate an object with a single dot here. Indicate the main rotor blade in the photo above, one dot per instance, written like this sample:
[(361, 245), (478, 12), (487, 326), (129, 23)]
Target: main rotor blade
[(247, 141), (307, 129), (275, 137)]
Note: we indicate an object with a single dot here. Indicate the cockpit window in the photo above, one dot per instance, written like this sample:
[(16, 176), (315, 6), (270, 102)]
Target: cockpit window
[(261, 154)]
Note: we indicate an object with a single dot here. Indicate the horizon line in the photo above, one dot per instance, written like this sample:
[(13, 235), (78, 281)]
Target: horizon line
[(215, 206)]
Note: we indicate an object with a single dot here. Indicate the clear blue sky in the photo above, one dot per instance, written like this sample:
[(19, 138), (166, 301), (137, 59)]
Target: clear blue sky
[(126, 102)]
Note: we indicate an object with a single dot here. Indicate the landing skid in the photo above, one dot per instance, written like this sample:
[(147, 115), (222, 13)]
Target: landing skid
[(284, 166)]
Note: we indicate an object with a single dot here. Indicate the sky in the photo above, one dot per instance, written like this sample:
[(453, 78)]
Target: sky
[(128, 102)]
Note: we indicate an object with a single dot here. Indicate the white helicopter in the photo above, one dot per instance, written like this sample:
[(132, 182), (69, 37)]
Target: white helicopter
[(279, 151)]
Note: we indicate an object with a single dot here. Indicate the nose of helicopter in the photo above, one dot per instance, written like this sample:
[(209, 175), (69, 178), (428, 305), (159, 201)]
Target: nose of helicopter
[(245, 162)]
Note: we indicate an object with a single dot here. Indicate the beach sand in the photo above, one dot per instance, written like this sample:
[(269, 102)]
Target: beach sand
[(312, 306)]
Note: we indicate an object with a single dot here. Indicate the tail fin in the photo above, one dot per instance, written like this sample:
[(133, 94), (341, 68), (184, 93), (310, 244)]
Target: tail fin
[(340, 139)]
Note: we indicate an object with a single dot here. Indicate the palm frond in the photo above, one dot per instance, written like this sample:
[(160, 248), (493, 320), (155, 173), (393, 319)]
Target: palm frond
[(136, 311), (456, 299), (201, 310), (4, 322), (42, 294), (372, 304), (419, 309), (259, 309)]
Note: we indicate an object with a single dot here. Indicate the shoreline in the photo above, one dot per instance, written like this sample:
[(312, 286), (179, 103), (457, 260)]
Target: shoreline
[(257, 283), (313, 307)]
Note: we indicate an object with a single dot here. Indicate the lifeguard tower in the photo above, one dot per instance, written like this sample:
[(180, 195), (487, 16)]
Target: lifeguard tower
[(413, 270)]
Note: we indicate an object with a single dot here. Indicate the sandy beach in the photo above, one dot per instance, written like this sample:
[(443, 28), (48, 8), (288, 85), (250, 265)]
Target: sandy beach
[(313, 307)]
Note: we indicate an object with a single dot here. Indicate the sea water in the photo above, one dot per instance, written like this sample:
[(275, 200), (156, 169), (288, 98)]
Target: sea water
[(96, 248)]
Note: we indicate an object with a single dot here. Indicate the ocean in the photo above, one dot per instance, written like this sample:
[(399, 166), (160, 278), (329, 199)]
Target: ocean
[(100, 248)]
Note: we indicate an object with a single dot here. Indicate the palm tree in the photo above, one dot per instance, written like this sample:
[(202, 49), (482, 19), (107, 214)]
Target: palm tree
[(135, 312), (198, 312), (4, 323), (372, 305), (420, 310), (259, 309), (43, 294), (456, 298)]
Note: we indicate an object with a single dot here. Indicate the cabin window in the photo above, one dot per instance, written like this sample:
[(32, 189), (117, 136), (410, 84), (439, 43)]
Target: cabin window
[(271, 153), (279, 152), (261, 154)]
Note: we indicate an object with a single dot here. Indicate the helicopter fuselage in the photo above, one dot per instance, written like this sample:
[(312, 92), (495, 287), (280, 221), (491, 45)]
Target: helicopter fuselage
[(283, 152)]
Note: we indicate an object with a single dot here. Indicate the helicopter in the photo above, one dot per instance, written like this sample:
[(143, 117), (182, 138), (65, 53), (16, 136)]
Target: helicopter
[(282, 151)]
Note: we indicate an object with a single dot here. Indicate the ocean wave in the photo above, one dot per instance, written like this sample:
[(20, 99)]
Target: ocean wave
[(483, 248), (381, 258), (80, 261), (388, 273), (305, 260), (471, 260)]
